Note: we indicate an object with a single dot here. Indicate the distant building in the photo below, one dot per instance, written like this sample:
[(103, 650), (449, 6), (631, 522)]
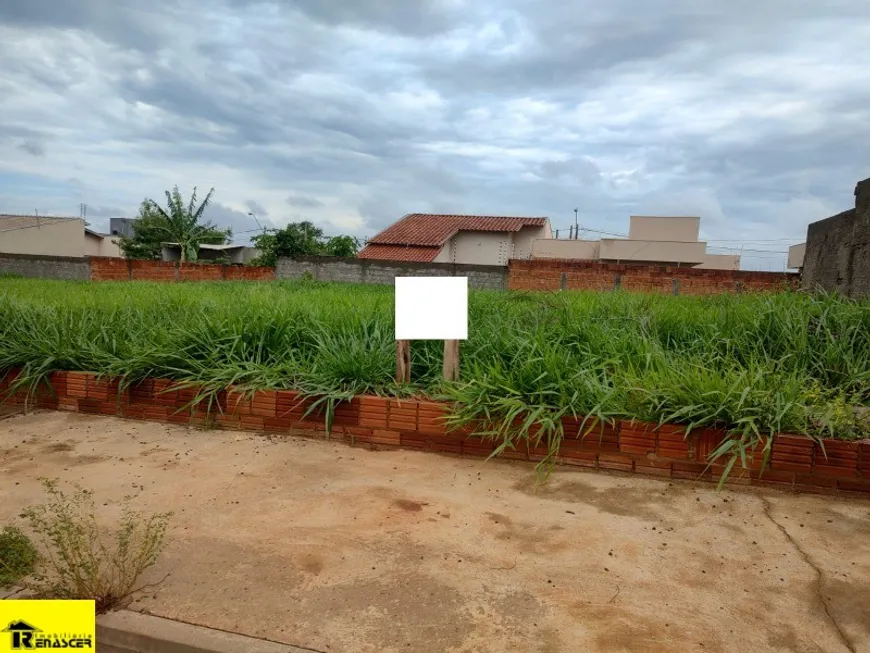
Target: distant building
[(796, 254), (238, 254), (473, 239), (97, 244), (652, 240), (53, 236), (121, 227)]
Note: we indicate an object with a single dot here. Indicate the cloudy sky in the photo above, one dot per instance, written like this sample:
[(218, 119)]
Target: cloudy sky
[(753, 114)]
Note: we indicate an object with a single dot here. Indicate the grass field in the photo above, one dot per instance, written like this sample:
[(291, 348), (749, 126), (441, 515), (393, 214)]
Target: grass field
[(753, 363)]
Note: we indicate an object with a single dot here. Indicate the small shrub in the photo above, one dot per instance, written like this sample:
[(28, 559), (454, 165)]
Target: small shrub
[(83, 560), (17, 556)]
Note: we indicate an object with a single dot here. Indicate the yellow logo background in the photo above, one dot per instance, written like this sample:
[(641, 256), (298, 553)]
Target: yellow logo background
[(62, 619)]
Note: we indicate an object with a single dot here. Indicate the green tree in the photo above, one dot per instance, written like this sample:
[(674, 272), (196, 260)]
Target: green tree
[(344, 246), (178, 223), (301, 239)]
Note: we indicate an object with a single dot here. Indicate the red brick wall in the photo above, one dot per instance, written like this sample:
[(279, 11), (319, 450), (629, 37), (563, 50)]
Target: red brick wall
[(248, 273), (200, 272), (109, 269), (152, 271), (547, 274), (118, 269), (795, 463)]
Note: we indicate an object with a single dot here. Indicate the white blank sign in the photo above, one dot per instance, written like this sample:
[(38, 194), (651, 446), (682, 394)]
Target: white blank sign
[(431, 308)]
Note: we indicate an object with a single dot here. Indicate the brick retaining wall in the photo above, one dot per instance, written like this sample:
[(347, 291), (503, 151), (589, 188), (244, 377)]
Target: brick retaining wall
[(555, 274), (796, 462)]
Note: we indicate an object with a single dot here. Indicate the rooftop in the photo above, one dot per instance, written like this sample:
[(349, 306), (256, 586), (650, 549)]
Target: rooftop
[(16, 222), (433, 230), (400, 253)]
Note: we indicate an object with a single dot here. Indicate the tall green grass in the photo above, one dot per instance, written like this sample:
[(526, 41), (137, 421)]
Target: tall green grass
[(756, 364)]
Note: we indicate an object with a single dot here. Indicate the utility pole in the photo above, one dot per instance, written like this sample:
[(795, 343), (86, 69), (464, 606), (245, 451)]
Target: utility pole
[(251, 213), (576, 224)]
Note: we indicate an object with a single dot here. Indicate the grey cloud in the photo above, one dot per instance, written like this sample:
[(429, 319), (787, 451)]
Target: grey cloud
[(21, 135), (419, 18), (256, 208), (303, 202), (126, 22), (105, 212), (243, 225), (32, 147), (578, 169), (511, 107)]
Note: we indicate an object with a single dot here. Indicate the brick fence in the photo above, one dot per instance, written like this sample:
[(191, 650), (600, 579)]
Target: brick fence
[(368, 271), (119, 269), (555, 274), (542, 274), (70, 268), (796, 462)]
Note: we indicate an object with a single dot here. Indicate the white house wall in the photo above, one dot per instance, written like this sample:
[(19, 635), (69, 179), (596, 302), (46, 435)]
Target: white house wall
[(523, 241), (445, 255), (657, 228), (96, 246), (57, 238), (566, 249), (481, 247)]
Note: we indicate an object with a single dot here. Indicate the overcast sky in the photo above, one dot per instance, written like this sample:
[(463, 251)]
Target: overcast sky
[(754, 115)]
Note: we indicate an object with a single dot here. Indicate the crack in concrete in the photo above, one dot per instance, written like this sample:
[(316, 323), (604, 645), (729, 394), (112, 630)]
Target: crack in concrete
[(819, 576)]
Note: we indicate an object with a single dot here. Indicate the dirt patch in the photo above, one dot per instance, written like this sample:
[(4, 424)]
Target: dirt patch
[(851, 599), (396, 611), (333, 548), (786, 639), (622, 501), (621, 631), (311, 563), (58, 447), (408, 505)]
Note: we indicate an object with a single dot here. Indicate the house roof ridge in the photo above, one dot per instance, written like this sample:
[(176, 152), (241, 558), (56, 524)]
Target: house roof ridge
[(435, 229)]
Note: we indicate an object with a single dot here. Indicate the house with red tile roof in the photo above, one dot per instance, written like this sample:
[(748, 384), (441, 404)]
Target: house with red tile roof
[(472, 239)]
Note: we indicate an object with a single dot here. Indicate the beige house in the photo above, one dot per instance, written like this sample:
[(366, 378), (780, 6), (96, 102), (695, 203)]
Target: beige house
[(472, 239), (52, 236), (652, 240)]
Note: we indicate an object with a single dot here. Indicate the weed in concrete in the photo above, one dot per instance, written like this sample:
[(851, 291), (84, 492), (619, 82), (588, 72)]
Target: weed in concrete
[(83, 559), (17, 556)]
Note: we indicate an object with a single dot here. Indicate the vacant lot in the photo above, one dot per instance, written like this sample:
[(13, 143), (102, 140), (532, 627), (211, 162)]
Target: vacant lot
[(343, 550), (758, 363)]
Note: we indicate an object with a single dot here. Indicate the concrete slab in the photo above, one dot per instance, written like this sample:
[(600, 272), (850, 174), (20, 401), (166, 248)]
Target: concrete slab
[(327, 547)]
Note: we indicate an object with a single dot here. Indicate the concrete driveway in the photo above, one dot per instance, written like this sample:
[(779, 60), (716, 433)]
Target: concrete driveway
[(346, 550)]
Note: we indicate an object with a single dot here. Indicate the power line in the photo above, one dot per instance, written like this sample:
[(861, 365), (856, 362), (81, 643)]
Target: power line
[(747, 240), (747, 249)]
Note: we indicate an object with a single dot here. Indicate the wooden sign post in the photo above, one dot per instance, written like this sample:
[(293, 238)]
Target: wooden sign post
[(450, 369), (430, 308), (403, 361), (451, 360)]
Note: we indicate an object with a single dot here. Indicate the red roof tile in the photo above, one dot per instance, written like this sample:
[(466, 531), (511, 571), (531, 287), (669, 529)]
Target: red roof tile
[(400, 253), (431, 230)]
